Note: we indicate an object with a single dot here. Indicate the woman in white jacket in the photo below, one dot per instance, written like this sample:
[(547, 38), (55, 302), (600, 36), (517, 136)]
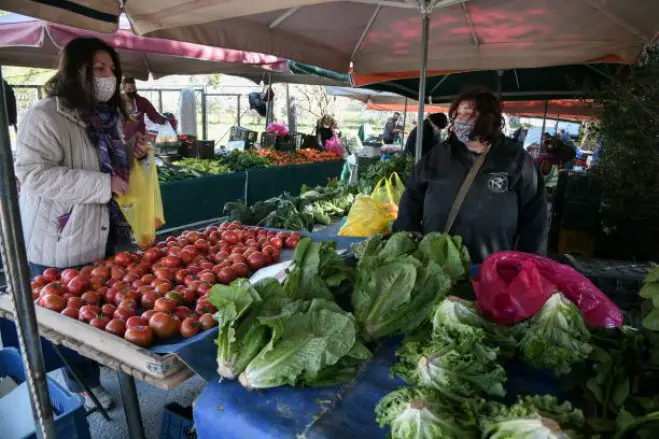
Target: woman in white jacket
[(70, 160)]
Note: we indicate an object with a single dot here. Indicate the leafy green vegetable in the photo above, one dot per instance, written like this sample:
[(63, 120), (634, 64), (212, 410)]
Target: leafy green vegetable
[(395, 292), (525, 428), (415, 413), (556, 337), (642, 427), (457, 319), (317, 271), (301, 346), (241, 334), (448, 251), (650, 291), (458, 370), (402, 164)]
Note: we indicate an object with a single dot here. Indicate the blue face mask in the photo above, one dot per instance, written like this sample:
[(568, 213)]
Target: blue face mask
[(463, 129)]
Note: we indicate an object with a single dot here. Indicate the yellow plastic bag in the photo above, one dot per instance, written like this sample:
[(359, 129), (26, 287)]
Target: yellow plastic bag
[(374, 213), (142, 204)]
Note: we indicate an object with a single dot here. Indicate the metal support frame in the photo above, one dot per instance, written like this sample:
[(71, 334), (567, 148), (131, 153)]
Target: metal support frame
[(81, 383), (544, 121), (204, 118), (15, 262), (404, 122), (425, 35), (131, 405), (160, 101)]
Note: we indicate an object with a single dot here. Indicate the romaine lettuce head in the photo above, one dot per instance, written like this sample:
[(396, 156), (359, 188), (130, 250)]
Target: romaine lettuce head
[(556, 337), (415, 413), (449, 252), (525, 428), (301, 345)]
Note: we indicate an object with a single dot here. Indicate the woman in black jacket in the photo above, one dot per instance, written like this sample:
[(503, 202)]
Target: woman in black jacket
[(505, 207)]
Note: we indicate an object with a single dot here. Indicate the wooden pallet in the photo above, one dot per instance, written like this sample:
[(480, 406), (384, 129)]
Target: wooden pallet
[(161, 370)]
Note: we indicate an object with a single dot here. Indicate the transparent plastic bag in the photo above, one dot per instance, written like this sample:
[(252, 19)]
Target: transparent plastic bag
[(142, 204), (166, 133)]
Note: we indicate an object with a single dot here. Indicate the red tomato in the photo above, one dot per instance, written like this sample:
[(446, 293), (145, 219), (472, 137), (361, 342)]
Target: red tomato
[(164, 274), (88, 312), (268, 249), (190, 327), (171, 261), (202, 245), (117, 273), (152, 255), (187, 257), (123, 259), (50, 275), (148, 299), (68, 274), (207, 276), (91, 298), (53, 288), (277, 243), (214, 237), (147, 278), (282, 236), (146, 315), (108, 309), (75, 302), (164, 325), (241, 269), (178, 297), (183, 312), (238, 258), (206, 265), (165, 304), (291, 242), (180, 275), (140, 335), (205, 307), (116, 327), (207, 321), (101, 272), (226, 276), (267, 260), (70, 312), (121, 287), (295, 235), (130, 277), (133, 321), (203, 289), (53, 302), (256, 261), (123, 313), (271, 234), (100, 321), (230, 237), (194, 268)]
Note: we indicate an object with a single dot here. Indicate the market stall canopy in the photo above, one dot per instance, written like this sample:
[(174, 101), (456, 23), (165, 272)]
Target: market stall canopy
[(299, 73), (384, 36), (29, 42), (560, 82)]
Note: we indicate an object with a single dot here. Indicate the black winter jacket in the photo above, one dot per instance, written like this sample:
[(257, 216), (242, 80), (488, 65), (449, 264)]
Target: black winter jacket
[(505, 207)]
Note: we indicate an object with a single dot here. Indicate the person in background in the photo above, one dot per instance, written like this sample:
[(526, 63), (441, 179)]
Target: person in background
[(137, 106), (325, 130), (70, 160), (432, 131), (505, 208), (546, 138), (10, 98), (393, 129), (557, 153), (565, 137)]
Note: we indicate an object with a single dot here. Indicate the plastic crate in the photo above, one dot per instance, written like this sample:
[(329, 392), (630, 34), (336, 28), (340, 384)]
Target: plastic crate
[(239, 133), (577, 242), (17, 422), (621, 281), (177, 423)]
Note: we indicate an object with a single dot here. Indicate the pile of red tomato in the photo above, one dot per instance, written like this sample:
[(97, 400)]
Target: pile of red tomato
[(163, 291)]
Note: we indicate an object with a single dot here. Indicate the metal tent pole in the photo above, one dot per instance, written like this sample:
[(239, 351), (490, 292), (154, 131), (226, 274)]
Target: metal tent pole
[(544, 121), (15, 262), (500, 84), (425, 33), (268, 105), (404, 123)]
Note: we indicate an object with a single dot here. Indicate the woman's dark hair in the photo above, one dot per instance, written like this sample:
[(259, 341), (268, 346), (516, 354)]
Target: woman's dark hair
[(489, 117), (74, 80)]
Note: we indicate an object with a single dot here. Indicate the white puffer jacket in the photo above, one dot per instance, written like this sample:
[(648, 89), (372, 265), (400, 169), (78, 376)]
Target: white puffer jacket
[(58, 170)]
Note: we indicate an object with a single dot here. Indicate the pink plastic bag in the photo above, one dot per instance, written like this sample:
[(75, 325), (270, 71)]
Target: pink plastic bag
[(333, 144), (513, 286)]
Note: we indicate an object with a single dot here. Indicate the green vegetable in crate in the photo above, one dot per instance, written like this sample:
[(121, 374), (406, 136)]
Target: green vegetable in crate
[(395, 292), (241, 160), (207, 166), (302, 346), (402, 164), (415, 413), (460, 369), (556, 337)]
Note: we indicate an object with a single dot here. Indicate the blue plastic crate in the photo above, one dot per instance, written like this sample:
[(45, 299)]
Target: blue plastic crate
[(16, 412), (177, 423)]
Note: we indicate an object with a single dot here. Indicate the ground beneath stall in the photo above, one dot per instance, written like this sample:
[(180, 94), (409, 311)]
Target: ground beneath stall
[(152, 403)]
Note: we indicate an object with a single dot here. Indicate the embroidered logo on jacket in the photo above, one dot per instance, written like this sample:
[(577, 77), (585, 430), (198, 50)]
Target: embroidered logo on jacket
[(498, 182)]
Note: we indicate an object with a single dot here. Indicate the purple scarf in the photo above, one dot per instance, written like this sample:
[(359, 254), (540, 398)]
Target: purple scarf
[(102, 129)]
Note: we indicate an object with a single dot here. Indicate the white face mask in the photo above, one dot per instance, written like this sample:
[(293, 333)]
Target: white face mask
[(104, 87)]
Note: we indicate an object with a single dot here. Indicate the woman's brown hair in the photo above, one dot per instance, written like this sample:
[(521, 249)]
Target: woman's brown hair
[(489, 114), (74, 80)]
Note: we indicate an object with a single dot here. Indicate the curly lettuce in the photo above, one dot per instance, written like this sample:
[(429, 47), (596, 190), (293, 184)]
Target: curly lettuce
[(556, 338)]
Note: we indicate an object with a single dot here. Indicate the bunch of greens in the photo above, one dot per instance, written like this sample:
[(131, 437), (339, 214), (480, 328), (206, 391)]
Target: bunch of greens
[(556, 337), (458, 320), (650, 292), (458, 370), (206, 166), (447, 251), (394, 292), (168, 174), (402, 164), (304, 345), (240, 160), (416, 413), (317, 272)]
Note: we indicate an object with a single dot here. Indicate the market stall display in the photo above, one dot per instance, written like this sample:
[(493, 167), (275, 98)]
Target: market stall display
[(160, 293)]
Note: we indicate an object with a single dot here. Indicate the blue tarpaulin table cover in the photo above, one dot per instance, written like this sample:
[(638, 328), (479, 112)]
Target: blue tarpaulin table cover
[(229, 411)]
